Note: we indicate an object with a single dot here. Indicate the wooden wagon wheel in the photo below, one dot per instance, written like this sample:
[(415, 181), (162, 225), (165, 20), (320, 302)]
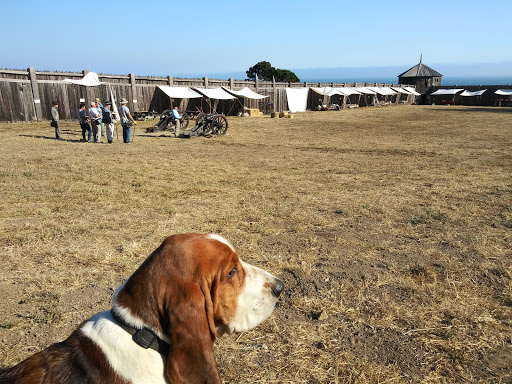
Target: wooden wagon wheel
[(207, 126), (219, 125), (184, 120), (200, 118), (164, 114)]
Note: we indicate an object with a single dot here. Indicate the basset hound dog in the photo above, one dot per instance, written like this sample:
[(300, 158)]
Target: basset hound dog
[(164, 320)]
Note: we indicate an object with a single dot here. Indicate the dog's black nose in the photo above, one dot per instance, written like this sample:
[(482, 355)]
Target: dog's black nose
[(277, 288)]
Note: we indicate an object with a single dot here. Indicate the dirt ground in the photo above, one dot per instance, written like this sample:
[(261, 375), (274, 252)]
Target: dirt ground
[(391, 228)]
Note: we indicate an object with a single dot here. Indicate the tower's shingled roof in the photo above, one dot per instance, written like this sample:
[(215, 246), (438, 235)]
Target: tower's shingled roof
[(420, 70)]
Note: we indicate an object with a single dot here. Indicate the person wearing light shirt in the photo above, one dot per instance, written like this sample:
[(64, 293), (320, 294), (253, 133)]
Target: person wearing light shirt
[(95, 115), (126, 121), (177, 119)]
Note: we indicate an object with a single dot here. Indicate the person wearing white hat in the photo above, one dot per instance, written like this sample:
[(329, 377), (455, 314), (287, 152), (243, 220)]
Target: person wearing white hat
[(126, 120), (100, 108), (95, 116)]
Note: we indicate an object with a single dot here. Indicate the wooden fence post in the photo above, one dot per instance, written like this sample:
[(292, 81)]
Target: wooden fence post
[(134, 92), (35, 93), (87, 97), (275, 92)]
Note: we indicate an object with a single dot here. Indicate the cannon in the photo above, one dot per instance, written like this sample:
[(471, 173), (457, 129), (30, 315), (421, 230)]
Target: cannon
[(168, 122), (207, 125)]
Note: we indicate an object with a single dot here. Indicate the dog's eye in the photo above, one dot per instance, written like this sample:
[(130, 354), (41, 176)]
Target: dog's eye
[(232, 273)]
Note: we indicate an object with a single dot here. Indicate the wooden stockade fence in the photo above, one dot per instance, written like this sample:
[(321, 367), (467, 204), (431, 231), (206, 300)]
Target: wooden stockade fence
[(26, 95)]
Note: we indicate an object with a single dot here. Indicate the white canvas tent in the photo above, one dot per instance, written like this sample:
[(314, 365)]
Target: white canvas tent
[(449, 93), (389, 91), (504, 92), (179, 92), (378, 91), (245, 92), (184, 94), (440, 92), (89, 80), (92, 80), (365, 90), (348, 91), (215, 93), (383, 92), (297, 99), (403, 95), (413, 91), (467, 93), (327, 102), (504, 97), (402, 90), (475, 94), (347, 95), (327, 91), (365, 93)]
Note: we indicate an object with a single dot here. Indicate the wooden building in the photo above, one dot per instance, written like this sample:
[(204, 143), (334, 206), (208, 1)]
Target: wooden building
[(422, 76)]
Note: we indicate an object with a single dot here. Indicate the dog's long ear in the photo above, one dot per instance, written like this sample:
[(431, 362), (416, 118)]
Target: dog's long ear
[(191, 359), (209, 308)]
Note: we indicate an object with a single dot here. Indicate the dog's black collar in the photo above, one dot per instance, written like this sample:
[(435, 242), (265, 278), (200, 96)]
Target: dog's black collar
[(144, 337)]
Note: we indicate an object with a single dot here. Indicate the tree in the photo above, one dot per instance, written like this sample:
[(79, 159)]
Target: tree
[(285, 76), (264, 71)]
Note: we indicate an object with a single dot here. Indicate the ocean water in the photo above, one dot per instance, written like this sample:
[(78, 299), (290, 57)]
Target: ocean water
[(445, 80), (476, 80)]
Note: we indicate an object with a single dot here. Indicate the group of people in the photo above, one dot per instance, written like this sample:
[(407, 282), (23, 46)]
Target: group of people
[(98, 121)]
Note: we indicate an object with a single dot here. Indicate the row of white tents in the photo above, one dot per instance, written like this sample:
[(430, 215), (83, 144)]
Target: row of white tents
[(297, 98), (466, 93), (450, 96), (210, 93)]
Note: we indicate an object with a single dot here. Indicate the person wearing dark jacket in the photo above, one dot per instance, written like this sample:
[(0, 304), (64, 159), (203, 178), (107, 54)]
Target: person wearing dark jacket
[(108, 120), (55, 119), (84, 124)]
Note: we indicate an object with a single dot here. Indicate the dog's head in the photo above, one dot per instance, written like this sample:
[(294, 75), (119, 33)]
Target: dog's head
[(190, 290)]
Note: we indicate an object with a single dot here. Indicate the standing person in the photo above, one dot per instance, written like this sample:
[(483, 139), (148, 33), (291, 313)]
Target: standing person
[(84, 124), (95, 121), (55, 119), (177, 119), (108, 120), (100, 108), (126, 121)]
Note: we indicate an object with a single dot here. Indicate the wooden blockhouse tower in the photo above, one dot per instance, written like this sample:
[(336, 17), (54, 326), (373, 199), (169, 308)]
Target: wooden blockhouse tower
[(422, 76)]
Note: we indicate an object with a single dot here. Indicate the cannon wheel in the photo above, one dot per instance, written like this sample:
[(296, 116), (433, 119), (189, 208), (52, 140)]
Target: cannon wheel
[(200, 118), (219, 125), (184, 120), (207, 126)]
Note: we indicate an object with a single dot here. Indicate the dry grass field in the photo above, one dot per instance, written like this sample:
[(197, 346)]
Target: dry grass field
[(391, 227)]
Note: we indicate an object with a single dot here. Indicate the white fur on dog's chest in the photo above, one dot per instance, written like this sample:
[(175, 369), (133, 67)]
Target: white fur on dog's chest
[(129, 360)]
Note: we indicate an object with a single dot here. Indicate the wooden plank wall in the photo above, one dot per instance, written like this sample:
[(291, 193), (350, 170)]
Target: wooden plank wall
[(17, 101)]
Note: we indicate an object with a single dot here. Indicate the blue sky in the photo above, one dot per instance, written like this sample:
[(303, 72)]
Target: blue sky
[(227, 37)]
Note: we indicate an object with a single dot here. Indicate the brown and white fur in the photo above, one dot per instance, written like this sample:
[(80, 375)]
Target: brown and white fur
[(190, 290)]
